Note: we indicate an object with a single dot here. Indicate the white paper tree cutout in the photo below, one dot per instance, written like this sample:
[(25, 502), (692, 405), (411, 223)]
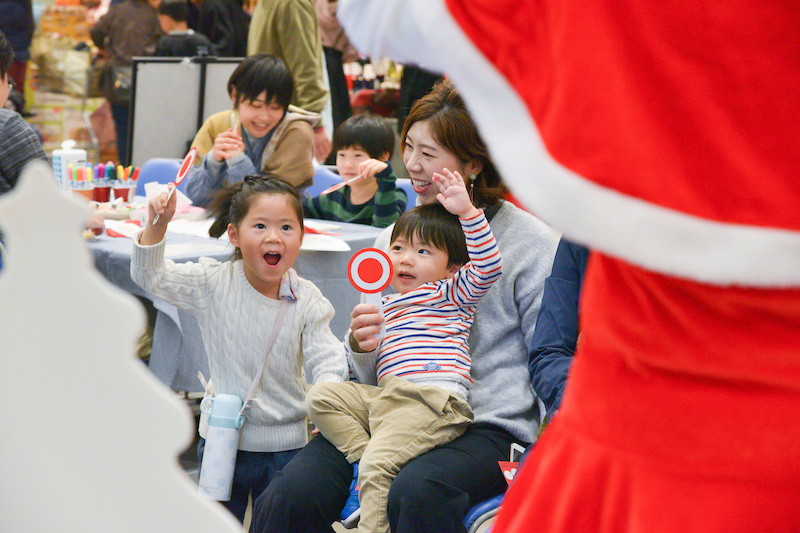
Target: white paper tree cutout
[(90, 440)]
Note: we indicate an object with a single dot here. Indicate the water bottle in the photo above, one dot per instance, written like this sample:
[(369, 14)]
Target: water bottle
[(222, 443)]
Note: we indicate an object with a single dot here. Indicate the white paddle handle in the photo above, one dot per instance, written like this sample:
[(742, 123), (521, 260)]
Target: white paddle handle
[(376, 299)]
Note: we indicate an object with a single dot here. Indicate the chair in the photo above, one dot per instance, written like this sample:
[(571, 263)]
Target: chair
[(161, 170), (405, 184), (324, 177), (481, 513)]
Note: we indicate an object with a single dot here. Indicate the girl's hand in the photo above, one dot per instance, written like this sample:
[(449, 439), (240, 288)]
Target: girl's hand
[(227, 144), (453, 194), (365, 327), (371, 167), (158, 205)]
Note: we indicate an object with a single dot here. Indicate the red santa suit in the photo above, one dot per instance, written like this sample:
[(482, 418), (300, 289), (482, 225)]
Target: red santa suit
[(666, 137)]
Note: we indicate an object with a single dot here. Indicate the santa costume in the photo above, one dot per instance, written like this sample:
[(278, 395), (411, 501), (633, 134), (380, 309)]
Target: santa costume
[(666, 137)]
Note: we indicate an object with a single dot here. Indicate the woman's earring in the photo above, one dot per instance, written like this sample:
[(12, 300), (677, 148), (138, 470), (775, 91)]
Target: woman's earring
[(472, 178)]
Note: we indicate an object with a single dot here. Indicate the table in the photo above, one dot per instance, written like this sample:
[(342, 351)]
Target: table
[(178, 352)]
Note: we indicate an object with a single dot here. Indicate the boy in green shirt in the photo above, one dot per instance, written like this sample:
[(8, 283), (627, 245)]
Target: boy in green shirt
[(363, 145)]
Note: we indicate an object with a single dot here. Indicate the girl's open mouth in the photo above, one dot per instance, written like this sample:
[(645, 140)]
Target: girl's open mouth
[(272, 258)]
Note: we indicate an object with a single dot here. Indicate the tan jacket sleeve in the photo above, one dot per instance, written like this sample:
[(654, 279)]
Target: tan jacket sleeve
[(292, 160)]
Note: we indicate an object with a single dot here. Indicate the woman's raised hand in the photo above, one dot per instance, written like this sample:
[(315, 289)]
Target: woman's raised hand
[(453, 194)]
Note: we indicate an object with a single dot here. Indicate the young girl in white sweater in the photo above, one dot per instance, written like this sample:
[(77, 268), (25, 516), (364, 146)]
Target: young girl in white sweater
[(237, 304)]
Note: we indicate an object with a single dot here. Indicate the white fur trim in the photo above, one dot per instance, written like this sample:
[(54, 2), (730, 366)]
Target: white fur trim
[(645, 234)]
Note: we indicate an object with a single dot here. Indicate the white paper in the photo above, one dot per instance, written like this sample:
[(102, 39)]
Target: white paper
[(323, 243), (320, 225), (154, 188)]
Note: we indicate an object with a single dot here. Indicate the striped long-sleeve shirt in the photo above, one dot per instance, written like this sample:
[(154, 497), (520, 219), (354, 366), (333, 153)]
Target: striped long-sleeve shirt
[(380, 211), (427, 328)]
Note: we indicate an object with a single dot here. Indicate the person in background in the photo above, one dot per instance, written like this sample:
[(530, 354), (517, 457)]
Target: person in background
[(238, 304), (128, 29), (16, 22), (433, 492), (262, 133), (415, 83), (288, 29), (180, 40), (225, 23), (19, 143), (556, 336), (363, 145), (337, 50)]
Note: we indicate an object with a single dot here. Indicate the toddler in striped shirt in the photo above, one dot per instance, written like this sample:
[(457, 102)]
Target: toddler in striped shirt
[(413, 383)]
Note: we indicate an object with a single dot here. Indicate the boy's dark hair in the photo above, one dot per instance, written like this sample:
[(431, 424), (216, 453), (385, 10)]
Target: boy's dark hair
[(434, 226), (231, 204), (177, 10), (258, 73), (371, 133), (6, 55)]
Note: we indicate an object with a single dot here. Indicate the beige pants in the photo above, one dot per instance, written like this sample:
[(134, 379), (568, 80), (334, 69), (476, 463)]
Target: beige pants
[(384, 428)]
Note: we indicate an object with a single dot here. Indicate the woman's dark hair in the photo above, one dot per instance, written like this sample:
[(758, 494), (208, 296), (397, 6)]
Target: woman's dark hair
[(434, 226), (231, 205), (258, 73), (453, 128), (371, 133)]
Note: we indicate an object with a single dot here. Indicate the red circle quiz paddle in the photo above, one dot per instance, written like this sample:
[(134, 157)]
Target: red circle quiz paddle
[(370, 271)]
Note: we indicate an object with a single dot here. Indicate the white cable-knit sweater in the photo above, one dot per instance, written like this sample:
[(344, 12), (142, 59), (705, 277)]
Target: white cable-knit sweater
[(236, 321)]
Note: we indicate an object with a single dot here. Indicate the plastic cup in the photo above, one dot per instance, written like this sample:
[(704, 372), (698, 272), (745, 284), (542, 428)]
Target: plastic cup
[(84, 188), (102, 190), (125, 189)]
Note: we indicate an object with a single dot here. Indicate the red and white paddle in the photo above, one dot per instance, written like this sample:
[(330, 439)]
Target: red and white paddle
[(370, 271), (188, 161)]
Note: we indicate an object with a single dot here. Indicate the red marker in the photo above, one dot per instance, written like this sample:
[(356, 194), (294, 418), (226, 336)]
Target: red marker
[(340, 185), (135, 175)]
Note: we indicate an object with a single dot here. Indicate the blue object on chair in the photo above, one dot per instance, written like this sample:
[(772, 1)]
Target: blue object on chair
[(482, 512), (323, 178), (405, 184), (161, 170)]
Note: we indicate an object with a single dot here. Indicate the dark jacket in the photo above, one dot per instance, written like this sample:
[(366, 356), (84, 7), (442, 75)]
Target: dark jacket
[(129, 29), (226, 24), (16, 23), (187, 44), (556, 335)]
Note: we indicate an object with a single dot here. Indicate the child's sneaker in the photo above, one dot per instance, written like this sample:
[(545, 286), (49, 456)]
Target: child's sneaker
[(351, 511)]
